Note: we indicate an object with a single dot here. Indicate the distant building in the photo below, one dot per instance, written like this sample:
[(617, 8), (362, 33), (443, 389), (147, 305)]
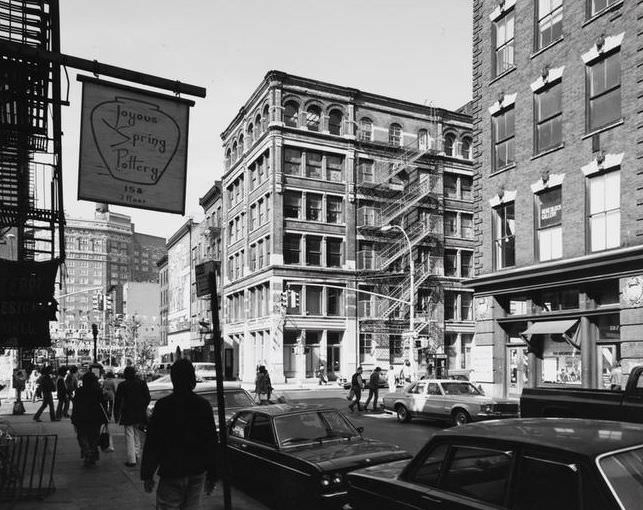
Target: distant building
[(314, 171), (163, 302), (142, 312), (558, 138)]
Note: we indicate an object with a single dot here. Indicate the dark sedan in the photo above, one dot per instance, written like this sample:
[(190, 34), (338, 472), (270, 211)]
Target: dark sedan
[(519, 464), (297, 456)]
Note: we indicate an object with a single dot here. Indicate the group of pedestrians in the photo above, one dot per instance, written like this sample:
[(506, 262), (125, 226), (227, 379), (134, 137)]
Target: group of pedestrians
[(357, 384), (64, 386)]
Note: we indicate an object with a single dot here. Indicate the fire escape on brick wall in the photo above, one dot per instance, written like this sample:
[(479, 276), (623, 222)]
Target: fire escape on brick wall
[(31, 209), (400, 185)]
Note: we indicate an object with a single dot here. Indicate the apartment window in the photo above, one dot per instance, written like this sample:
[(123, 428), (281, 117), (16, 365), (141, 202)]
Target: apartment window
[(549, 117), (503, 32), (450, 305), (366, 171), (466, 264), (504, 235), (466, 187), (253, 257), (260, 211), (604, 211), (335, 122), (291, 114), (466, 308), (466, 148), (423, 139), (314, 165), (335, 168), (313, 250), (549, 224), (604, 91), (333, 252), (334, 301), (449, 145), (450, 186), (450, 224), (267, 201), (313, 116), (292, 248), (549, 15), (503, 138), (334, 209), (253, 216), (395, 135), (292, 204), (259, 254), (313, 300), (466, 223), (292, 161), (366, 130), (313, 207), (450, 263), (267, 241), (596, 6)]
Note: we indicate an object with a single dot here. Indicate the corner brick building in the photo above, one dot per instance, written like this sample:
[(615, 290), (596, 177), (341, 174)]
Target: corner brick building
[(558, 145)]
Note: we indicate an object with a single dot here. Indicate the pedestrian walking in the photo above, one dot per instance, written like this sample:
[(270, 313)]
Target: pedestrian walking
[(263, 388), (62, 394), (130, 410), (322, 375), (47, 388), (373, 388), (357, 383), (181, 444), (88, 415), (109, 392), (392, 380), (71, 381), (406, 374), (33, 379), (616, 377)]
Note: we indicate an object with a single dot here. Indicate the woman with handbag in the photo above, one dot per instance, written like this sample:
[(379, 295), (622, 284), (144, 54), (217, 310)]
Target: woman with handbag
[(88, 416)]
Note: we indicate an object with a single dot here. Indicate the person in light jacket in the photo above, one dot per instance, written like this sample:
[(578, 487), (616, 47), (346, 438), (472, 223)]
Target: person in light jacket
[(130, 410)]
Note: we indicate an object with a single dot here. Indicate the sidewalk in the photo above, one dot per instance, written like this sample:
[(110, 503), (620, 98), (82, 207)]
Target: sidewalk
[(109, 485)]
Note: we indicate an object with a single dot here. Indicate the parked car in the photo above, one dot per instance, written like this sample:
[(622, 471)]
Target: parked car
[(366, 376), (299, 454), (521, 464), (205, 371), (617, 405), (446, 399)]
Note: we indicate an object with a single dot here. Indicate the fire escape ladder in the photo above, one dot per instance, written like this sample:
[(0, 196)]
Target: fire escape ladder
[(405, 201)]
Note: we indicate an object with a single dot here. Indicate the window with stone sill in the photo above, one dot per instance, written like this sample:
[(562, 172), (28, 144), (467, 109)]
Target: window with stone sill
[(504, 232), (313, 251), (503, 135), (314, 300), (450, 224), (603, 90), (395, 135), (596, 6), (466, 264), (366, 130), (334, 301), (292, 161), (449, 144), (291, 114), (292, 204), (549, 224), (333, 252), (313, 118), (334, 206), (292, 248), (605, 211), (450, 182), (334, 168), (314, 165), (313, 207), (549, 22), (503, 37), (365, 171), (466, 224), (548, 110), (335, 118), (450, 263)]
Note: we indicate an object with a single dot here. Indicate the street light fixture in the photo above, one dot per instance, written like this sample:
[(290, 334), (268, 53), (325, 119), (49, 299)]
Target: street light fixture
[(388, 228)]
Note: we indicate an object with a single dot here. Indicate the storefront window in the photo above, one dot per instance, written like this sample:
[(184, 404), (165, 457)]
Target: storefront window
[(561, 361)]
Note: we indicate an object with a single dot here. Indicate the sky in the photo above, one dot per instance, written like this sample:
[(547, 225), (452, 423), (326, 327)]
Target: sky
[(415, 50)]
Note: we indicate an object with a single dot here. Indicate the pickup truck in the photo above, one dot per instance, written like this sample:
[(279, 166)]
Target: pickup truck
[(614, 405)]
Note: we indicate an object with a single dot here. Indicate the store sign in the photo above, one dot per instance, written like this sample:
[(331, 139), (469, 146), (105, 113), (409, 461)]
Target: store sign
[(27, 303), (133, 147), (202, 277), (551, 209)]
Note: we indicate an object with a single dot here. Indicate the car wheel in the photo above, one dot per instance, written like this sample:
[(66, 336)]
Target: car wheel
[(403, 414), (460, 417)]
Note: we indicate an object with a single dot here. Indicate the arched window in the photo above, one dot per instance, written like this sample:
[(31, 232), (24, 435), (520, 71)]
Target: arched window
[(313, 118), (258, 125), (266, 118), (366, 129), (449, 144), (251, 134), (234, 152), (291, 115), (335, 122), (395, 135), (228, 158), (423, 139), (466, 148), (242, 146)]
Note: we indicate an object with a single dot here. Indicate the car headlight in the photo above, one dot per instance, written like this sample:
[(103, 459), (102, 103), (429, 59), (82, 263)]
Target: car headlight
[(325, 481), (337, 479), (487, 408)]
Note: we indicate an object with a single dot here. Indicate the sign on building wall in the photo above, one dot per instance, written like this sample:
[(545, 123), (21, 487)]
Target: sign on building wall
[(482, 363), (133, 147)]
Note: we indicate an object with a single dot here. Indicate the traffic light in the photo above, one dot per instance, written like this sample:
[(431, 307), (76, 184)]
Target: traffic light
[(284, 299), (108, 302), (294, 298), (97, 302)]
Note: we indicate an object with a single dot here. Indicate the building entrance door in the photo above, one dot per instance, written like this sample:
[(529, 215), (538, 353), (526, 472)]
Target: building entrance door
[(312, 360), (332, 362), (517, 373)]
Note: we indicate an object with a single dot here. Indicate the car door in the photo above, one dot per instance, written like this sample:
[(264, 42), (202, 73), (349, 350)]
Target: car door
[(633, 402), (265, 471), (237, 458), (434, 403), (417, 398)]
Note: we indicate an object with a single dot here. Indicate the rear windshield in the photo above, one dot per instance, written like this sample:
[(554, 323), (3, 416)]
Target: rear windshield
[(459, 388), (232, 398), (623, 472)]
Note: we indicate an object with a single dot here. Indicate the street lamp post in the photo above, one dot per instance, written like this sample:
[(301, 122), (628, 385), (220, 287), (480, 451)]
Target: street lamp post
[(388, 228)]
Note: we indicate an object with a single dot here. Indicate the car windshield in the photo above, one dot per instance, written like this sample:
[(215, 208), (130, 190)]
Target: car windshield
[(459, 388), (313, 426), (235, 398), (624, 474)]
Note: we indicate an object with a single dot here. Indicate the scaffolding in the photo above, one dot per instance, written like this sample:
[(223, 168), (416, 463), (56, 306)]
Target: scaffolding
[(401, 186), (30, 135)]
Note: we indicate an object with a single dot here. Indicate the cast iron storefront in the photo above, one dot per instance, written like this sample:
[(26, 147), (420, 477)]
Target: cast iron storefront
[(561, 324)]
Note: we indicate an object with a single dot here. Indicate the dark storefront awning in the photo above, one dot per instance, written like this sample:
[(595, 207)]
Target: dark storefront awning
[(550, 327)]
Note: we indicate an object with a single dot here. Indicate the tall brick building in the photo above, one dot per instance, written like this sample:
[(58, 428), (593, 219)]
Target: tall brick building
[(314, 171), (558, 130)]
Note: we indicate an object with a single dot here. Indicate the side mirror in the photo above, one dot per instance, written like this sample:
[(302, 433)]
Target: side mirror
[(360, 430)]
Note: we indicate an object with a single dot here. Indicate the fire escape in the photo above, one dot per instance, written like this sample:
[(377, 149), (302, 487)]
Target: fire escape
[(402, 188), (30, 168)]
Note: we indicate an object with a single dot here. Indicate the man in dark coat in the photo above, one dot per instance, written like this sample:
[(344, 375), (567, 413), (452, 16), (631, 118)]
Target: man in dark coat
[(357, 383), (87, 416), (181, 444), (130, 410), (373, 388), (47, 389)]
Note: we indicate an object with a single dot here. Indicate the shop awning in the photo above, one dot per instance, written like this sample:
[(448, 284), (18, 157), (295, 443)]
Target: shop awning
[(550, 327)]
